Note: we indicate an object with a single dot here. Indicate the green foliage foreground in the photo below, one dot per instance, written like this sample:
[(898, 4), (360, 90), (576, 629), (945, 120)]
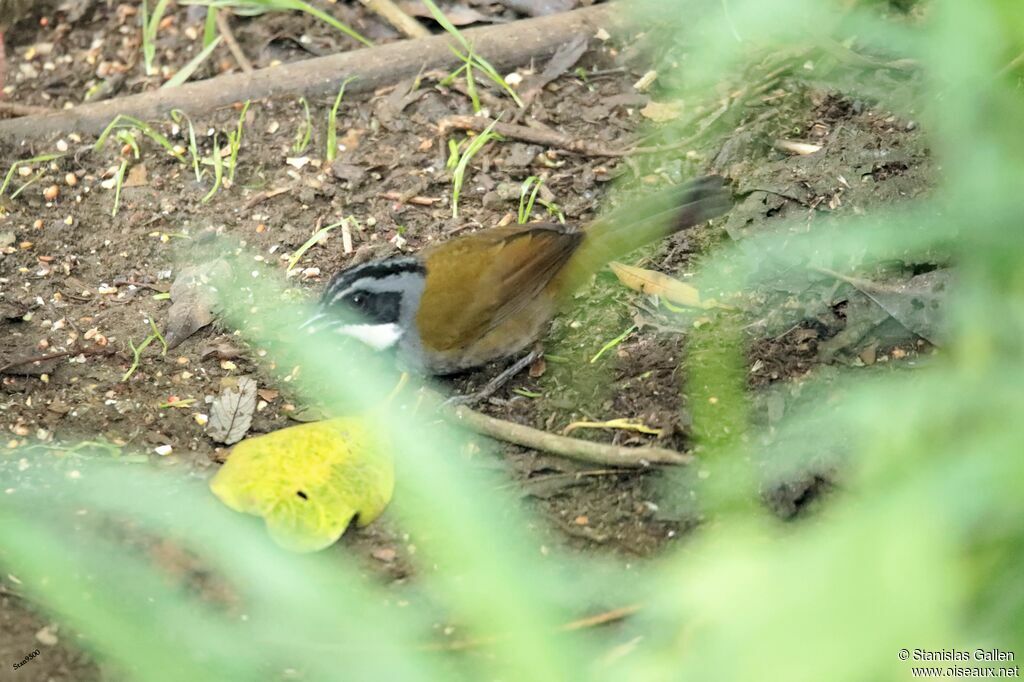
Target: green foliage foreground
[(922, 549)]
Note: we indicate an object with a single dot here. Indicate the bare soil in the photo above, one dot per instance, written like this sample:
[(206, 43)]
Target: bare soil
[(72, 275)]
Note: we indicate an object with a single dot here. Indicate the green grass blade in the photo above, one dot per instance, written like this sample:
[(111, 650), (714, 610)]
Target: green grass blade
[(210, 26), (304, 134), (235, 141), (448, 26), (42, 158), (31, 181), (331, 152), (186, 72), (459, 175), (331, 21), (526, 205), (308, 244), (117, 187), (218, 169), (177, 115), (125, 121), (150, 26)]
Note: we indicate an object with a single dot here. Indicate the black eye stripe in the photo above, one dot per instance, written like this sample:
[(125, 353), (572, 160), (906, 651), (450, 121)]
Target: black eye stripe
[(369, 276), (352, 277), (379, 293)]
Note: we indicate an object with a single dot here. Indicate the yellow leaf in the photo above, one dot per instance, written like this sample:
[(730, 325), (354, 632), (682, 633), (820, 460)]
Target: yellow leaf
[(658, 284), (308, 481)]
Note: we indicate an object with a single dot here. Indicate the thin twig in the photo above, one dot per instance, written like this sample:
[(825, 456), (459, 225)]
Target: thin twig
[(415, 200), (159, 288), (1011, 65), (548, 138), (394, 15), (15, 109), (577, 475), (92, 350), (604, 618), (260, 197), (865, 285), (551, 138), (224, 26), (845, 54), (563, 446)]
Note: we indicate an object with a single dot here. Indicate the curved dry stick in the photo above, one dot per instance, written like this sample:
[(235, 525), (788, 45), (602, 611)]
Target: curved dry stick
[(571, 448)]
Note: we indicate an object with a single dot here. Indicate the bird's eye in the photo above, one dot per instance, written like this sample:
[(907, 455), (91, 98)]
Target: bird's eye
[(357, 299)]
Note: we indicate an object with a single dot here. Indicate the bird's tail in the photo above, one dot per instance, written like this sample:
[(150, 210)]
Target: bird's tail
[(647, 220)]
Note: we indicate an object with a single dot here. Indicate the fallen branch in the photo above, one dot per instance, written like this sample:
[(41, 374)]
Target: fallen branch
[(571, 448), (373, 67)]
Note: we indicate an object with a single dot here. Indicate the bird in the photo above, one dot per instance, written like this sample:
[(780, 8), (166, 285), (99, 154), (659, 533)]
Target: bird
[(485, 296), (11, 11)]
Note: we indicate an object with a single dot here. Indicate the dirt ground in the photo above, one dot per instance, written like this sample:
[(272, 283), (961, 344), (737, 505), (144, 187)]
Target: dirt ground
[(72, 275)]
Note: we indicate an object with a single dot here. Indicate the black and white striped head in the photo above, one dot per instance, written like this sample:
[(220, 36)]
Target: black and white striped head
[(375, 302)]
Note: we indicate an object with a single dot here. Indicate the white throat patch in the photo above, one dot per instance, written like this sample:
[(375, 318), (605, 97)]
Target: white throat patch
[(376, 336)]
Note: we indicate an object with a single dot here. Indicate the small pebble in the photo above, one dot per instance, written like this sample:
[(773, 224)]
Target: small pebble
[(48, 636)]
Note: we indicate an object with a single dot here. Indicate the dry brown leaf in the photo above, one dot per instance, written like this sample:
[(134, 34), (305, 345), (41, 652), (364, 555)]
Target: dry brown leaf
[(191, 301), (268, 394), (919, 303), (564, 59), (138, 176), (231, 412), (350, 140)]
